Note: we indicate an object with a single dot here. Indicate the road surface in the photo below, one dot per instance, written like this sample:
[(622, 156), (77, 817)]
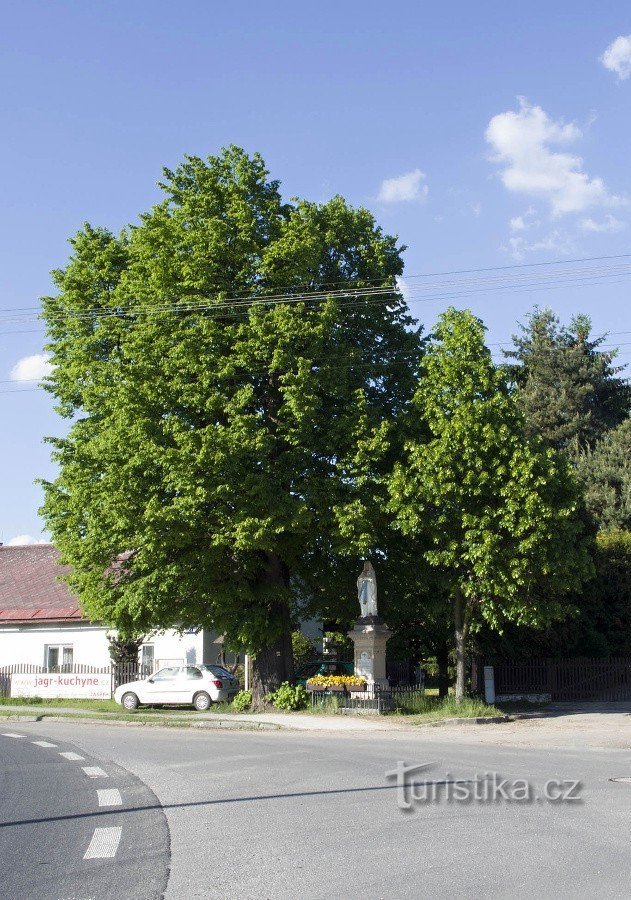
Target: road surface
[(297, 815), (63, 832)]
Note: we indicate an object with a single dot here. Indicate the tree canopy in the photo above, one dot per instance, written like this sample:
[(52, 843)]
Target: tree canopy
[(605, 473), (232, 410), (599, 619), (568, 388), (502, 513)]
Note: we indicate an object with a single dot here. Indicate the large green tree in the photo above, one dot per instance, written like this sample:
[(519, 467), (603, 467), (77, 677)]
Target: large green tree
[(233, 399), (501, 513), (568, 387), (605, 473)]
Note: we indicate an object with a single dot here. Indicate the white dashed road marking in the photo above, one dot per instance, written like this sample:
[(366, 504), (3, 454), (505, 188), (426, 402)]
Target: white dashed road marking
[(43, 744), (110, 797), (72, 756), (10, 734), (104, 843), (94, 772)]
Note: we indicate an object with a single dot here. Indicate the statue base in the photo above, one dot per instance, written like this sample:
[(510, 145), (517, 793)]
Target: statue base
[(370, 635)]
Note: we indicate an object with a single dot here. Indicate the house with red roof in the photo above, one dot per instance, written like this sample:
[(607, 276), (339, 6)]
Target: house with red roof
[(41, 622)]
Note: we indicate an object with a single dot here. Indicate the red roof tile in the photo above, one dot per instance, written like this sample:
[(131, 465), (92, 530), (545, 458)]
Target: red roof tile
[(30, 588)]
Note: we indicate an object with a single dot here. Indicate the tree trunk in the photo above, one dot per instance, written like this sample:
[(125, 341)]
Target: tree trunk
[(442, 658), (462, 628), (273, 663)]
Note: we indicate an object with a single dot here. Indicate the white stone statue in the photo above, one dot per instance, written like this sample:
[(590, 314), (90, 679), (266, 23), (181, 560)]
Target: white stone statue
[(367, 590)]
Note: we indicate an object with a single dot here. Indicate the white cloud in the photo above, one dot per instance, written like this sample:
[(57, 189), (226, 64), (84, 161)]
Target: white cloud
[(617, 57), (524, 222), (476, 209), (523, 141), (404, 288), (404, 188), (20, 539), (556, 241), (609, 224), (31, 368)]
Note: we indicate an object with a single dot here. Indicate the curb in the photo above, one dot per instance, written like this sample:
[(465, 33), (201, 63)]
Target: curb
[(18, 718), (461, 720), (170, 722), (240, 725)]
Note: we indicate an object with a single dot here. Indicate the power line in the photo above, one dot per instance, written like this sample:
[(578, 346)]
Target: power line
[(367, 281), (353, 288)]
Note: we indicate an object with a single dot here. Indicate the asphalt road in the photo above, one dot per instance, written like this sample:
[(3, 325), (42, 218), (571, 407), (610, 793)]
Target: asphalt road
[(65, 829), (295, 815)]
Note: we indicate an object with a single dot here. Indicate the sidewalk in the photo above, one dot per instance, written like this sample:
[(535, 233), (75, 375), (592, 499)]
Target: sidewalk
[(294, 721)]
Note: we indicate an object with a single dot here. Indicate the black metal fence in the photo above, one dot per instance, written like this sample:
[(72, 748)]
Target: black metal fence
[(566, 679), (404, 673), (120, 674)]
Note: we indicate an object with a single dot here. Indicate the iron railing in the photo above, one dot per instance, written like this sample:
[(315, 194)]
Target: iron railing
[(374, 698)]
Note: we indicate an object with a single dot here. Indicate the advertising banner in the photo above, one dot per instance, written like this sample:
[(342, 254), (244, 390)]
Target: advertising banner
[(57, 685)]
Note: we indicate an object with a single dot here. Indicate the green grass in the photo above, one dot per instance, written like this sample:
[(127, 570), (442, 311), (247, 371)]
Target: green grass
[(428, 709), (416, 710), (425, 708), (431, 692), (104, 706), (94, 705)]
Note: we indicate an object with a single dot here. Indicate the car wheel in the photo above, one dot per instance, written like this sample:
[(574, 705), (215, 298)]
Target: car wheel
[(202, 701), (129, 701)]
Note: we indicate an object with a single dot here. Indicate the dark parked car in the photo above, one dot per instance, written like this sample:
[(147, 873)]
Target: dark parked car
[(322, 667)]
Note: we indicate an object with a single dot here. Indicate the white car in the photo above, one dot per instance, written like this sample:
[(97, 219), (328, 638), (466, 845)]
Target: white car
[(190, 685)]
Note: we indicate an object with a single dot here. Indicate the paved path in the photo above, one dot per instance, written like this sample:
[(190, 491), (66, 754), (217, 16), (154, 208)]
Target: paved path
[(66, 829), (561, 724), (284, 814), (302, 721)]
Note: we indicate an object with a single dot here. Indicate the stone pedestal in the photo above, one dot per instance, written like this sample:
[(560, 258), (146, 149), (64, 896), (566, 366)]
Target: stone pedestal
[(370, 636)]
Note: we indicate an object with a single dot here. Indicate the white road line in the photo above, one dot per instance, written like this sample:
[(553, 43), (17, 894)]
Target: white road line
[(71, 756), (94, 772), (10, 734), (110, 797), (104, 843), (43, 744)]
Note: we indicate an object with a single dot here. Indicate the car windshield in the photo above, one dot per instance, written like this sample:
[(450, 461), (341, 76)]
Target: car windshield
[(164, 674), (217, 670)]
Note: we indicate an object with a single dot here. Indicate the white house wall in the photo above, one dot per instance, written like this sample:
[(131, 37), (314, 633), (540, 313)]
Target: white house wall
[(27, 644), (171, 648)]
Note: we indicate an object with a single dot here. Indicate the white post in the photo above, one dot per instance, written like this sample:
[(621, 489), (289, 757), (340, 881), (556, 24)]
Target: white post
[(246, 667), (489, 684)]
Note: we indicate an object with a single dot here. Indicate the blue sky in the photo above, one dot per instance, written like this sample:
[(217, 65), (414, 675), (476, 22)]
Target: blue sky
[(413, 110)]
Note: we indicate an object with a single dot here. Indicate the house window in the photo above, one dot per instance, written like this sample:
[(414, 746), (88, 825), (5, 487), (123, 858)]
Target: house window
[(58, 657), (147, 657)]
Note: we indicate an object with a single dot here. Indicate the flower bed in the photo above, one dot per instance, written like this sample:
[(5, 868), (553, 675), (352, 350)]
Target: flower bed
[(336, 683)]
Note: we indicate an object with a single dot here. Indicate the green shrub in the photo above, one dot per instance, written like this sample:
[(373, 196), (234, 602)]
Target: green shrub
[(290, 696), (242, 701), (303, 649)]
